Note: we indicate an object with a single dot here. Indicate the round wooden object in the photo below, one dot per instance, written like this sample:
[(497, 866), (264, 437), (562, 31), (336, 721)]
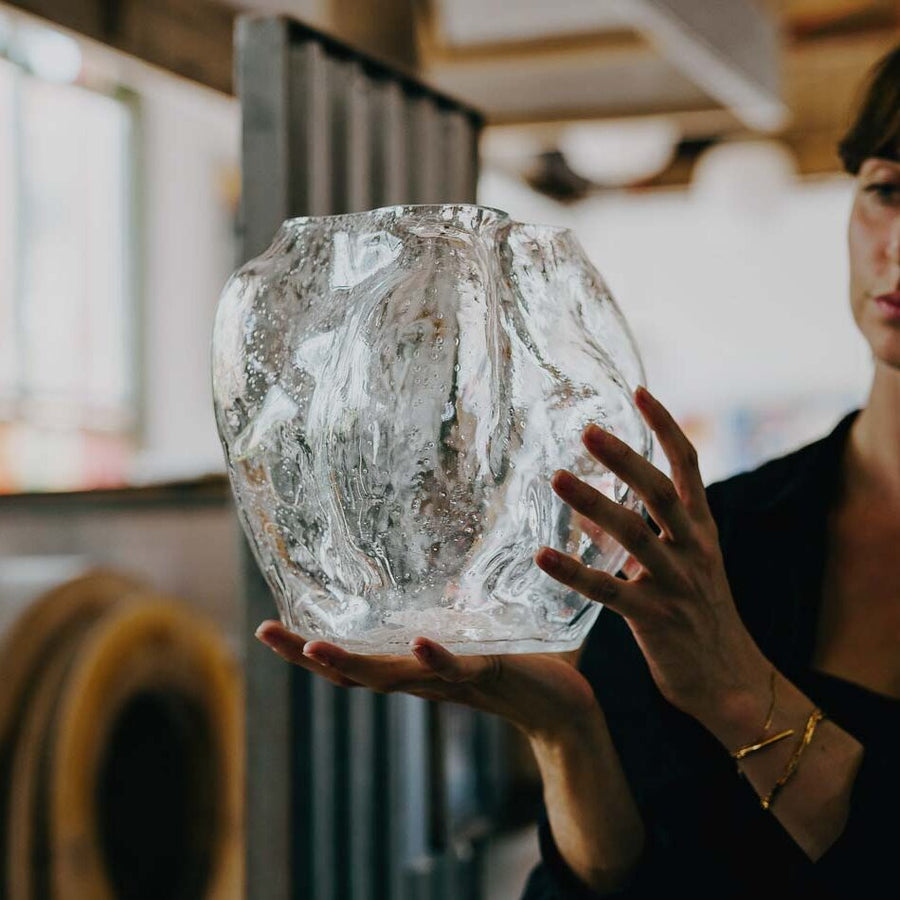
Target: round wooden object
[(50, 622), (35, 651), (127, 770)]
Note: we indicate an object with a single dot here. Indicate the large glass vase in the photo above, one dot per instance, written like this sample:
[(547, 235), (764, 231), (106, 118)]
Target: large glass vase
[(393, 390)]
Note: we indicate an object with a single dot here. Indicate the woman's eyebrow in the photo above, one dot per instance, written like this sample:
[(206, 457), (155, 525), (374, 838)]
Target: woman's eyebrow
[(879, 163)]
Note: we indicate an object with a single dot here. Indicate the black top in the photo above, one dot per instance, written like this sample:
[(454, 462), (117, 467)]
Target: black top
[(706, 830)]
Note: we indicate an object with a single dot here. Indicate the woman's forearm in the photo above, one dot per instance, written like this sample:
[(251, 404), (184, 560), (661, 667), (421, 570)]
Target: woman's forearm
[(592, 814), (814, 803)]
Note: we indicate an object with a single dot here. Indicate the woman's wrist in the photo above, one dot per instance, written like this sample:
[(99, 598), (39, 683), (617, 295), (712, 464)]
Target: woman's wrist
[(741, 712), (580, 731), (740, 717), (805, 779), (594, 820)]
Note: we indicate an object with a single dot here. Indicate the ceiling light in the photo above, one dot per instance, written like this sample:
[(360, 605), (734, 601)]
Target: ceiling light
[(749, 175), (621, 151)]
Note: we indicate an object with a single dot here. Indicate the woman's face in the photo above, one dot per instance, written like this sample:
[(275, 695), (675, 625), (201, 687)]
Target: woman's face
[(874, 243)]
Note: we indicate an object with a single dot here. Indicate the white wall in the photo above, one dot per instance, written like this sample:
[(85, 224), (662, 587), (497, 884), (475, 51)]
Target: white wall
[(738, 299), (733, 307), (190, 144)]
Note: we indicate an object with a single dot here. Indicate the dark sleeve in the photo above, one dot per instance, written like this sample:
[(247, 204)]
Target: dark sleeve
[(552, 879), (864, 856), (709, 837)]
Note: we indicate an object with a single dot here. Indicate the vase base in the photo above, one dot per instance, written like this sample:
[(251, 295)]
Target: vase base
[(400, 647)]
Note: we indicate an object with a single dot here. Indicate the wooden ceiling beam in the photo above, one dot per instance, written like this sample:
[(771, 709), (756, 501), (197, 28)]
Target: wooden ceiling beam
[(814, 19), (729, 50), (820, 116), (190, 38)]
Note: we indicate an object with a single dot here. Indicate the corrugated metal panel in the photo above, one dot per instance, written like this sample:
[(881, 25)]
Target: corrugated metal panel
[(358, 779), (262, 75), (389, 151)]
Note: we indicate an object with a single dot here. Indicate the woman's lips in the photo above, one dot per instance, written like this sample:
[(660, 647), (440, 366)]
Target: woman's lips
[(890, 304)]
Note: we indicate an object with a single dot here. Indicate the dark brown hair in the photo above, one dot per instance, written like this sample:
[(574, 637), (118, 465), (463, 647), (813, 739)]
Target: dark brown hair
[(876, 130)]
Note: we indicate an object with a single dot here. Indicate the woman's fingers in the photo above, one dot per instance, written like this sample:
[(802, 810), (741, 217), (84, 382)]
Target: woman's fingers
[(591, 583), (659, 494), (625, 525), (458, 669), (290, 646), (432, 671), (679, 451), (432, 667)]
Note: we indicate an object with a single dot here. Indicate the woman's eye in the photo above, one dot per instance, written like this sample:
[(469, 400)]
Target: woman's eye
[(886, 191)]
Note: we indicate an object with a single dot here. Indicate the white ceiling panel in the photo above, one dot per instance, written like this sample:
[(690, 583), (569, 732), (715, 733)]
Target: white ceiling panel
[(610, 56), (473, 22), (612, 84)]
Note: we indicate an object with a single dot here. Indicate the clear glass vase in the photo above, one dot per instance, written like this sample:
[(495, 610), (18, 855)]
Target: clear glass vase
[(393, 390)]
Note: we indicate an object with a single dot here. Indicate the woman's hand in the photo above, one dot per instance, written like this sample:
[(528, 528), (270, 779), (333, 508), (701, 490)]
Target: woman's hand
[(676, 600), (542, 694)]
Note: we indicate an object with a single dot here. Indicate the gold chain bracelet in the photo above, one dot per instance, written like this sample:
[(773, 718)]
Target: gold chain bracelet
[(815, 717), (740, 753), (762, 742)]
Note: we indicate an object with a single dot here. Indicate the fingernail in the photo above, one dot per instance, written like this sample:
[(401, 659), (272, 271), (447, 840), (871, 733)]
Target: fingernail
[(550, 557), (423, 651), (643, 393), (264, 638), (318, 656), (595, 434)]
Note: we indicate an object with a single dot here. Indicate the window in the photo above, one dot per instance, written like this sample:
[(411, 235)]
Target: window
[(68, 370)]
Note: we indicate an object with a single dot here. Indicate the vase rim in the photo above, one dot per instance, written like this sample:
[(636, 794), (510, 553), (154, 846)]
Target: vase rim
[(397, 208), (501, 216)]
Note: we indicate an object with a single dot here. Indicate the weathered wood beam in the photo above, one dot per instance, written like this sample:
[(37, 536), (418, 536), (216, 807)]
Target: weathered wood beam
[(814, 19), (191, 38), (822, 116), (194, 38), (385, 28), (701, 54), (819, 120)]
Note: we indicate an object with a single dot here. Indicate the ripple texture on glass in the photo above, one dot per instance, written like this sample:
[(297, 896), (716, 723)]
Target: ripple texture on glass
[(393, 390)]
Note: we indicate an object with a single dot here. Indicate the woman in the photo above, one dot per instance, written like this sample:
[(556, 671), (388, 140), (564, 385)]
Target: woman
[(728, 725)]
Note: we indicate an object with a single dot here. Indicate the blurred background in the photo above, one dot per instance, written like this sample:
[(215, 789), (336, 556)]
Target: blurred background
[(691, 146)]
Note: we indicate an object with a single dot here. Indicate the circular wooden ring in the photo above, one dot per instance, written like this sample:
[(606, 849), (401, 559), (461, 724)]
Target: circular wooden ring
[(152, 697), (36, 651)]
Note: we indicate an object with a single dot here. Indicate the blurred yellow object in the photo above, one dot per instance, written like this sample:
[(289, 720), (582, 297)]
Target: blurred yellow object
[(121, 743)]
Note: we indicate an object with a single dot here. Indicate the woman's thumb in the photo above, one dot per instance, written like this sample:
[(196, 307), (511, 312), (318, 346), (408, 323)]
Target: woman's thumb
[(449, 666)]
